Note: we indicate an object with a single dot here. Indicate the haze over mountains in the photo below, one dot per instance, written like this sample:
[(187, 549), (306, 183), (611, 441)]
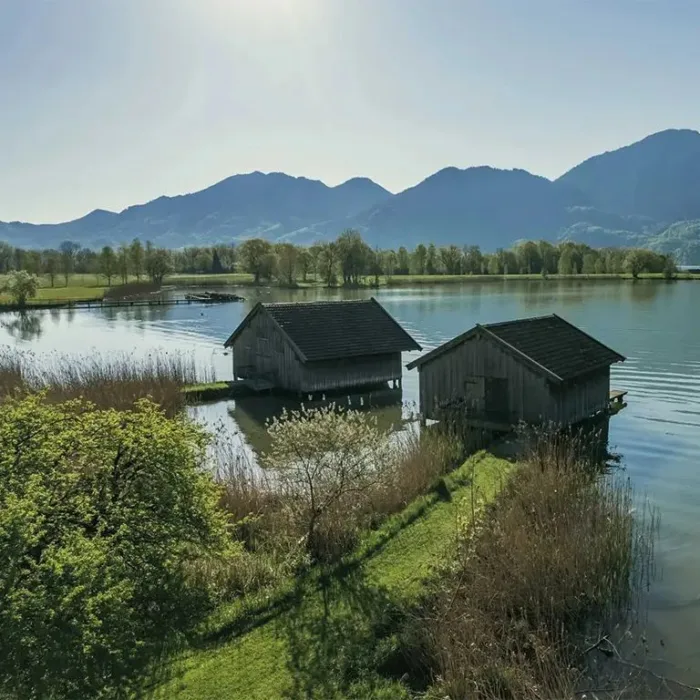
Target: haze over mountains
[(644, 194)]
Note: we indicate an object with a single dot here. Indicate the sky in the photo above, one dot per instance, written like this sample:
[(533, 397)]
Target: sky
[(109, 103)]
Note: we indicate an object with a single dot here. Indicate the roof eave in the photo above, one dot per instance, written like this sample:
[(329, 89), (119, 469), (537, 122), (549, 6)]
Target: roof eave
[(239, 329), (552, 376), (415, 345), (440, 349), (255, 310), (622, 358)]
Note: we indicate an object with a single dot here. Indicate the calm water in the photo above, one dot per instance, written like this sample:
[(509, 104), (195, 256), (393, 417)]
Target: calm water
[(652, 323)]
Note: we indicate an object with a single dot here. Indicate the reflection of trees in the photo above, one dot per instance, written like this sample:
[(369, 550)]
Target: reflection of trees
[(253, 413), (645, 290), (24, 325), (139, 314)]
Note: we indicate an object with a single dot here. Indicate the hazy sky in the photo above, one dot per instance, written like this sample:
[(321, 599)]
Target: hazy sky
[(107, 103)]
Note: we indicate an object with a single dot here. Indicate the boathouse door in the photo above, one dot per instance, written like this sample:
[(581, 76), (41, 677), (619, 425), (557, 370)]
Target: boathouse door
[(496, 398)]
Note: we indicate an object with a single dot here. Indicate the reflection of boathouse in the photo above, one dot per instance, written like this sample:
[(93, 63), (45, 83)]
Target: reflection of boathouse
[(319, 346), (253, 413), (534, 370)]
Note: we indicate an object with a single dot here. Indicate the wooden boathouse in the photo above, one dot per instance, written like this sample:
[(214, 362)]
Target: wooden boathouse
[(536, 370), (323, 346)]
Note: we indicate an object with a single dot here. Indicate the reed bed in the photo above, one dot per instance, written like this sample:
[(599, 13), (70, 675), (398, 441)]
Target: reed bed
[(558, 560), (114, 381)]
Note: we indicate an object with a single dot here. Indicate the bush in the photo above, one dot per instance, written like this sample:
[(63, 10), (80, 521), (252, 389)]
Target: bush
[(21, 286), (328, 462), (104, 517)]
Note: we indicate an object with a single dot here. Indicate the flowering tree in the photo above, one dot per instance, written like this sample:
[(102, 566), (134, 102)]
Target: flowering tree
[(21, 286), (328, 461)]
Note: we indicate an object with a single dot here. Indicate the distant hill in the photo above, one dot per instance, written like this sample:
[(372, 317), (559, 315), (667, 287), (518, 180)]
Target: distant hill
[(271, 205), (483, 206), (682, 239), (646, 194), (657, 177)]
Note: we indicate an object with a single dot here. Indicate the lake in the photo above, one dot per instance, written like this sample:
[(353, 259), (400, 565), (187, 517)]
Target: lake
[(658, 435)]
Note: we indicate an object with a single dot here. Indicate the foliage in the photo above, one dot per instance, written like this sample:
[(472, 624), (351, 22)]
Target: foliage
[(327, 261), (103, 514), (353, 256), (328, 461), (157, 263), (137, 258), (257, 257), (51, 261), (69, 252), (287, 261), (108, 263), (21, 285), (348, 259)]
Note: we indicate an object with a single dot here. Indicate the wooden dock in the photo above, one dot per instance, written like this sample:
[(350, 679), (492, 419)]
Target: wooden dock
[(617, 396), (106, 304)]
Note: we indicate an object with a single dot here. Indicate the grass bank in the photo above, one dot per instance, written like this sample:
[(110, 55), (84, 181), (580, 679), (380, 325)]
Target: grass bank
[(211, 391), (90, 287), (47, 295), (335, 632), (416, 280)]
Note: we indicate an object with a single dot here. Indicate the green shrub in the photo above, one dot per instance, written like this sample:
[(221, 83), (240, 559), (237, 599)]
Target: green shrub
[(104, 517)]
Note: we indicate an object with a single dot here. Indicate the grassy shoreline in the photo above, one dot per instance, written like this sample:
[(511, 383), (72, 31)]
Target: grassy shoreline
[(90, 287), (284, 649)]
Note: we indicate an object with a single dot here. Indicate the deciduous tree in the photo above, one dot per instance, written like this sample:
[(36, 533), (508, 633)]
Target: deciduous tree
[(21, 286), (104, 517), (108, 263), (257, 258), (328, 461)]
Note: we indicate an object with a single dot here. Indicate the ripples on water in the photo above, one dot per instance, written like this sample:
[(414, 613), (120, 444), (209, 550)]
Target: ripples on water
[(658, 434)]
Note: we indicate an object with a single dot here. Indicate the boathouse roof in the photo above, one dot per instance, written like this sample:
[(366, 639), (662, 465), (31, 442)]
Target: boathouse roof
[(327, 330), (549, 344)]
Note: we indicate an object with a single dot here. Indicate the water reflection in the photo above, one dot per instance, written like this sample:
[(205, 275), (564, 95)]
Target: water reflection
[(23, 325), (644, 291), (138, 314), (252, 414)]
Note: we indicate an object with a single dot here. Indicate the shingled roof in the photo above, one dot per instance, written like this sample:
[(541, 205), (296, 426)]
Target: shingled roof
[(549, 344), (328, 330)]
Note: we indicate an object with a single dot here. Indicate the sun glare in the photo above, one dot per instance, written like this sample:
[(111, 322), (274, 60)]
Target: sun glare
[(267, 10)]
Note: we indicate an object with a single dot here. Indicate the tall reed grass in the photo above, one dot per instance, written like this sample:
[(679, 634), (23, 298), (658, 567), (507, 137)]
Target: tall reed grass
[(558, 559), (113, 381)]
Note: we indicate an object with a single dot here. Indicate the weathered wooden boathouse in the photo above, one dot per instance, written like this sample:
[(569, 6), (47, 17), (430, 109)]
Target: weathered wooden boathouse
[(536, 370), (324, 346)]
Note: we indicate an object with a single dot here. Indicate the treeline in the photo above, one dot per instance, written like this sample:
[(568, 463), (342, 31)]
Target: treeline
[(134, 260), (348, 260)]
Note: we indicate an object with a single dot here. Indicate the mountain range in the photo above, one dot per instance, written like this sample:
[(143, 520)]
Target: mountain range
[(644, 194)]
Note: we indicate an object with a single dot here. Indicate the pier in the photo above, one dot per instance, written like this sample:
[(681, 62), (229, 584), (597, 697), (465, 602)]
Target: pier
[(107, 304)]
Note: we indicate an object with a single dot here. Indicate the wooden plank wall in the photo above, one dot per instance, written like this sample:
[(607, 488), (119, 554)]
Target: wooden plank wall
[(262, 349), (351, 372), (457, 371), (459, 374), (582, 398), (265, 350)]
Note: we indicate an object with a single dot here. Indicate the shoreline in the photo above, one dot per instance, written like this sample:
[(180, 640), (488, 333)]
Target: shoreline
[(56, 298)]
